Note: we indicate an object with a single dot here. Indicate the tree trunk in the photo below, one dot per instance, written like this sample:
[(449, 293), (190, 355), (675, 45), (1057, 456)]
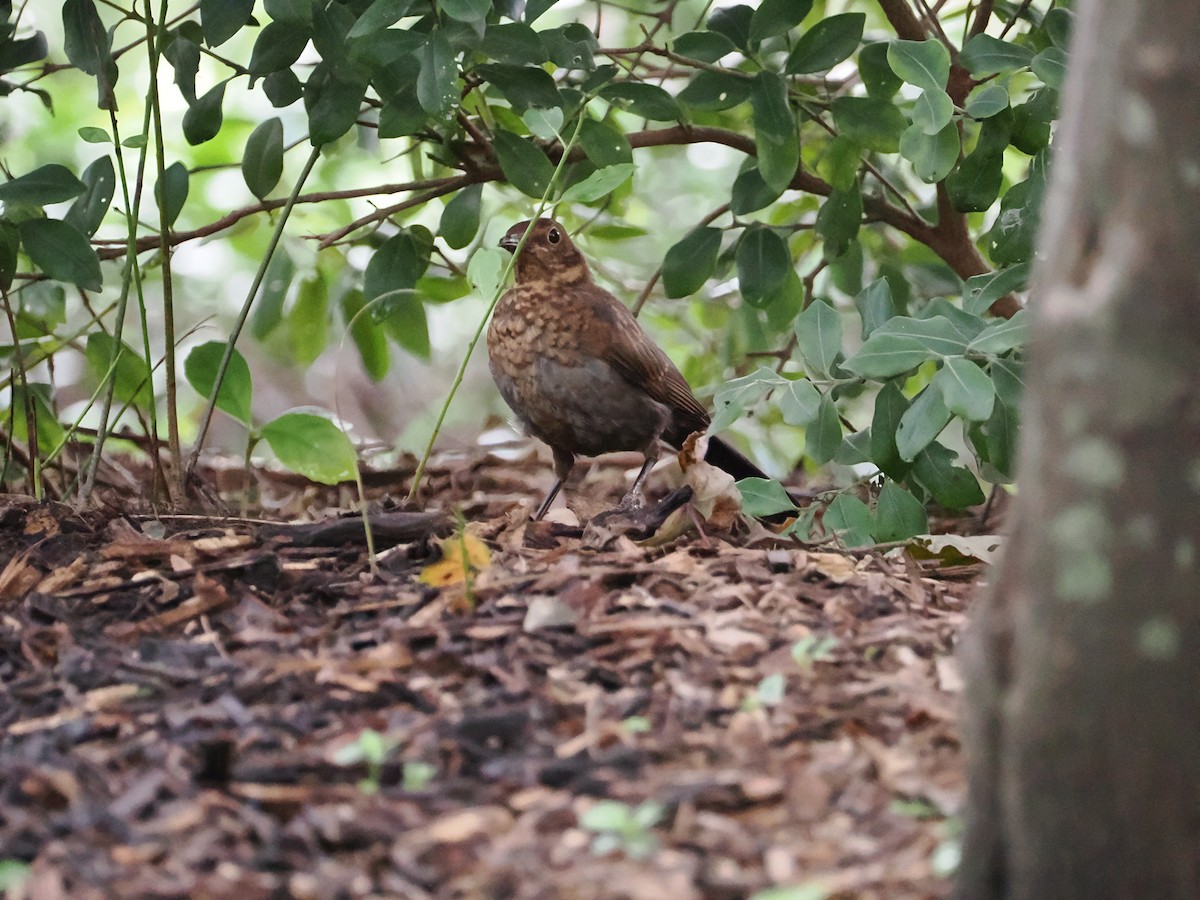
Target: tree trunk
[(1082, 717)]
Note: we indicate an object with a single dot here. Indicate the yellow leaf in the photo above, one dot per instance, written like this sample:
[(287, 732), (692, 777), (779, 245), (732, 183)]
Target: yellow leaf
[(462, 554)]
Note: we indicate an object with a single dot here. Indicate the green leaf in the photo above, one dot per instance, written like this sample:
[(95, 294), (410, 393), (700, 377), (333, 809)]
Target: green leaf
[(850, 520), (932, 110), (734, 23), (332, 103), (604, 144), (394, 269), (985, 55), (875, 306), (466, 10), (714, 91), (952, 486), (368, 337), (751, 193), (1012, 237), (308, 319), (690, 262), (823, 437), (94, 135), (975, 183), (483, 271), (898, 514), (544, 123), (268, 308), (1051, 66), (764, 497), (903, 343), (277, 47), (981, 291), (437, 84), (460, 218), (183, 54), (871, 122), (738, 395), (933, 155), (1057, 24), (877, 75), (925, 64), (312, 446), (380, 14), (890, 407), (175, 184), (839, 219), (131, 374), (599, 184), (706, 46), (203, 118), (88, 46), (89, 209), (407, 324), (646, 100), (235, 396), (826, 44), (996, 439), (10, 245), (262, 162), (569, 46), (1002, 335), (774, 17), (514, 43), (283, 88), (222, 19), (62, 252), (23, 51), (966, 389), (987, 100), (819, 337), (799, 402), (763, 262), (49, 184), (522, 86), (921, 423), (775, 130), (840, 164), (525, 166)]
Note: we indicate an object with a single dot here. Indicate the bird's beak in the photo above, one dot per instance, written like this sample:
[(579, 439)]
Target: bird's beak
[(509, 241)]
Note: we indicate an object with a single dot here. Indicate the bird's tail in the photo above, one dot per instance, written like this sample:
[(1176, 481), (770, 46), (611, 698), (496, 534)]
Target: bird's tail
[(728, 459)]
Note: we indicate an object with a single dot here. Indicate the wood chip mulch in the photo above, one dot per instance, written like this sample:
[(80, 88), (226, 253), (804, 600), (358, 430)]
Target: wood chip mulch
[(221, 708)]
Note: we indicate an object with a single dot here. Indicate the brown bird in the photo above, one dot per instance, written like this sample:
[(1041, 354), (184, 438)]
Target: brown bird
[(578, 370)]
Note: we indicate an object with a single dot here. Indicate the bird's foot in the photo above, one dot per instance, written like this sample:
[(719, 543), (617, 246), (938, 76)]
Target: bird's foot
[(631, 501)]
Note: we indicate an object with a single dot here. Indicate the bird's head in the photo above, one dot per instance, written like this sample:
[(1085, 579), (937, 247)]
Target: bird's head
[(548, 254)]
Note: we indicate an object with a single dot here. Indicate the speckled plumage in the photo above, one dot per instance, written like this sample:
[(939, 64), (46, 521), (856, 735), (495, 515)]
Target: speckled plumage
[(578, 370)]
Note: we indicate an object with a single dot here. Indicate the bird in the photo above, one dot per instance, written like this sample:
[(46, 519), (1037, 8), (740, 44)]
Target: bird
[(578, 370)]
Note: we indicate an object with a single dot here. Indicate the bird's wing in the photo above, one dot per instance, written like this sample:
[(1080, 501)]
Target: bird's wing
[(628, 349)]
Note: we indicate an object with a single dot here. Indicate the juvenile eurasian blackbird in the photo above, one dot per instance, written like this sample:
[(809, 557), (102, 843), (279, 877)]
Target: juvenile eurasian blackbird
[(579, 371)]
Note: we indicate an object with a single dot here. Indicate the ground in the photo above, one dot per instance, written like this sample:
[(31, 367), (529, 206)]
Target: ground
[(212, 707)]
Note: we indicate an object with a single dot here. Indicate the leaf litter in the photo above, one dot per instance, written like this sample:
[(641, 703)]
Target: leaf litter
[(213, 707)]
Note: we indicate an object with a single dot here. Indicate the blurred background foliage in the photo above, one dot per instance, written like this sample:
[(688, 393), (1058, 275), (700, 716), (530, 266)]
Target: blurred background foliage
[(824, 211)]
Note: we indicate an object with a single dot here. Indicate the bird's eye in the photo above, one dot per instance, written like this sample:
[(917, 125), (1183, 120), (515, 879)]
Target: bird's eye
[(554, 237)]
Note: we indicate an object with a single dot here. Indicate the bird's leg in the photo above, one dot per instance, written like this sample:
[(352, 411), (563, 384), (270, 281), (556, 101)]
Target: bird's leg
[(563, 461), (633, 498)]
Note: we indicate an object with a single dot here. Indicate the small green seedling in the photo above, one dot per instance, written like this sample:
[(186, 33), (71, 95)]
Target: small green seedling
[(619, 826), (372, 748), (812, 649)]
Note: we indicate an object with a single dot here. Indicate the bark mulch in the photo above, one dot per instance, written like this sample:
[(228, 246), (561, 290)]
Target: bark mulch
[(196, 707)]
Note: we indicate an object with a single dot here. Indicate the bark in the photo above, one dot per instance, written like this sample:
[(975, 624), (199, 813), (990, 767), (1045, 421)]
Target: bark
[(1082, 717)]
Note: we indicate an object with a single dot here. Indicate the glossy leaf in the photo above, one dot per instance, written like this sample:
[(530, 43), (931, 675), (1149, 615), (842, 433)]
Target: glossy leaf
[(823, 437), (380, 14), (89, 209), (819, 337), (460, 218), (734, 22), (775, 17), (465, 10), (764, 497), (599, 184), (826, 44), (175, 182), (690, 262), (277, 47), (774, 130), (262, 162), (236, 393), (525, 166), (873, 123), (604, 144), (203, 118), (952, 486), (763, 262), (966, 389), (751, 192), (714, 91), (985, 55), (88, 46), (644, 99), (923, 421), (312, 446), (52, 183), (222, 19), (62, 252), (514, 43), (437, 84), (898, 514), (706, 46), (925, 64), (522, 86)]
